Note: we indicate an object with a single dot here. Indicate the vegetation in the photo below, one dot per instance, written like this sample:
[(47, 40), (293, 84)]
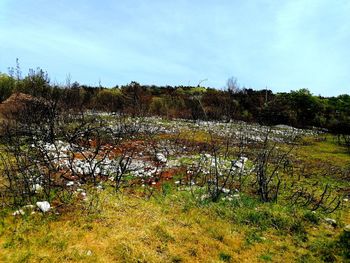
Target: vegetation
[(297, 108), (92, 174)]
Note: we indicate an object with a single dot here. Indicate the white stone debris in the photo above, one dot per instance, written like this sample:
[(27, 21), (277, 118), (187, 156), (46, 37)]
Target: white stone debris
[(83, 194), (331, 221), (44, 206), (70, 183), (225, 190), (240, 163), (37, 188), (18, 212), (207, 155), (161, 158)]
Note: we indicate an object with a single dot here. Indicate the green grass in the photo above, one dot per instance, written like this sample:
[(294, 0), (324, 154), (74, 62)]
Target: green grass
[(327, 151), (174, 228)]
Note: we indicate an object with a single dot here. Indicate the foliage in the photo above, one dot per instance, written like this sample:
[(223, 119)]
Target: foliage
[(297, 108)]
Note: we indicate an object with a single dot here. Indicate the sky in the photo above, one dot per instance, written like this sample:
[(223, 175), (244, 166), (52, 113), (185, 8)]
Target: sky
[(281, 45)]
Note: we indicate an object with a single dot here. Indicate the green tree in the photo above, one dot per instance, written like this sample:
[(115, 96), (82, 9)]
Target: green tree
[(7, 85), (36, 83)]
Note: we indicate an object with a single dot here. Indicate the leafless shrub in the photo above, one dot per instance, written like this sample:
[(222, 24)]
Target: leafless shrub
[(268, 165), (316, 198), (218, 172)]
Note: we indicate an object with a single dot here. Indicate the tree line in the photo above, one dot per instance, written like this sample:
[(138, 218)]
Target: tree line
[(296, 108)]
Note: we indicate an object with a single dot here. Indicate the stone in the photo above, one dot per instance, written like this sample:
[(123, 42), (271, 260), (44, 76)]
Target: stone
[(238, 164), (70, 183), (331, 221), (161, 158), (44, 206), (18, 212), (225, 190), (37, 188), (207, 155), (243, 159)]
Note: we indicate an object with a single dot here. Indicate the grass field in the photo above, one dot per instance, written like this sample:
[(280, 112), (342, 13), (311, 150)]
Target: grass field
[(174, 225)]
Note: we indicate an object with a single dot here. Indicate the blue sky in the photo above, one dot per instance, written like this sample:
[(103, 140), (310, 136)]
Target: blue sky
[(282, 45)]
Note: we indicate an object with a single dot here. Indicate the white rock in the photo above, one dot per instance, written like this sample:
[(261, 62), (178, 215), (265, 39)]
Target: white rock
[(18, 212), (238, 164), (70, 183), (225, 190), (37, 188), (44, 206), (207, 155), (331, 221), (161, 158), (243, 159), (345, 199)]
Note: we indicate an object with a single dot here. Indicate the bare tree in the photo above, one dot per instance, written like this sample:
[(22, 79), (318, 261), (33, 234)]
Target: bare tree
[(268, 165), (232, 85)]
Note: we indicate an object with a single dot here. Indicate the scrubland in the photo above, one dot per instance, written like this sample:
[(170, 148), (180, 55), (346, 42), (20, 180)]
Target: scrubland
[(126, 189)]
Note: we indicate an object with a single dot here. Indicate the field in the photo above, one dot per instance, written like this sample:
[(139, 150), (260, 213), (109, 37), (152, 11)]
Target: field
[(127, 189)]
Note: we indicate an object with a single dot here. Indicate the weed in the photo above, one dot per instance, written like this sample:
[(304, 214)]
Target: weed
[(266, 257), (311, 217), (225, 257), (162, 234), (344, 244), (176, 259), (252, 237)]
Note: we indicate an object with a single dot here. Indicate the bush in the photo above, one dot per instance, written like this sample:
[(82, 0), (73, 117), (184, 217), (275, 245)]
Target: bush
[(344, 244), (225, 257), (312, 218)]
